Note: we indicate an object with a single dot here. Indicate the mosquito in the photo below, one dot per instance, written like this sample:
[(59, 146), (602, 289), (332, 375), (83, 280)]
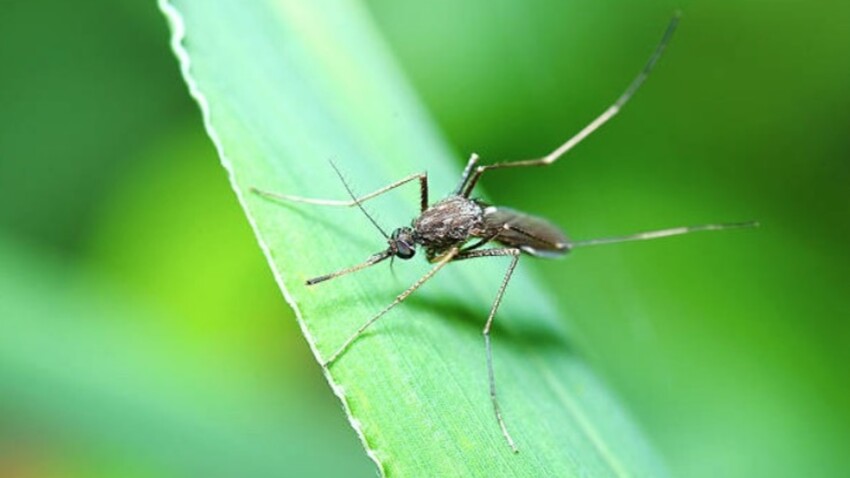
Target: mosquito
[(458, 227)]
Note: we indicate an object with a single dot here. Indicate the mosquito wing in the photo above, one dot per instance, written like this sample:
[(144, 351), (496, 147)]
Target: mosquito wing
[(533, 235)]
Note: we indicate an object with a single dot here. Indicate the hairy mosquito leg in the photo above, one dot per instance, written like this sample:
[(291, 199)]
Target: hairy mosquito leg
[(423, 194), (675, 231), (488, 348), (469, 180), (374, 259), (445, 259)]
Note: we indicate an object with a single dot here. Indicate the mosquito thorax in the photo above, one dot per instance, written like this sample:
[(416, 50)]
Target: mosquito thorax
[(403, 243), (448, 222)]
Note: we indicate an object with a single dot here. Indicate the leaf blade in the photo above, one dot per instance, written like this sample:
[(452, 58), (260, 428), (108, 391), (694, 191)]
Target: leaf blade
[(281, 82)]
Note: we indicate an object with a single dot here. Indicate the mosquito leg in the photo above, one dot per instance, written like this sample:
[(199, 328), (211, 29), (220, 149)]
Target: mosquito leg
[(487, 347), (590, 128), (675, 231), (445, 259), (473, 159), (423, 194), (376, 258), (475, 245)]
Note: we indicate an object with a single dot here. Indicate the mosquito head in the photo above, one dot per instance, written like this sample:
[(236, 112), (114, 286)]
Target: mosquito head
[(402, 243)]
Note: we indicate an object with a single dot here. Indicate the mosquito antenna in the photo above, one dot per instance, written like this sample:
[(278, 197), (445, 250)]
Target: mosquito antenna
[(675, 231), (369, 262), (356, 201)]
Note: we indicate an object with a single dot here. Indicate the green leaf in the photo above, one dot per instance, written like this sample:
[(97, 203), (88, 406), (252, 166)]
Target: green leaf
[(283, 87)]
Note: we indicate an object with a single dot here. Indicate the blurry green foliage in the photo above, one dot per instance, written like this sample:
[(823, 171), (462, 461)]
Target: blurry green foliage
[(731, 350), (83, 86)]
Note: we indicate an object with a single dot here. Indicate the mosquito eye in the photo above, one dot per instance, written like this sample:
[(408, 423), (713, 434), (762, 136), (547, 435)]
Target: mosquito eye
[(403, 250)]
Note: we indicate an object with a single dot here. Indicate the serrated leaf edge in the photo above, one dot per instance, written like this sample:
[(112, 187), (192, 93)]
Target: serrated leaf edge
[(178, 33)]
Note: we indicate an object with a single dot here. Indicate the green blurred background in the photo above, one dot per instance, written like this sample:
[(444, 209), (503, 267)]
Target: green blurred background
[(142, 334)]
